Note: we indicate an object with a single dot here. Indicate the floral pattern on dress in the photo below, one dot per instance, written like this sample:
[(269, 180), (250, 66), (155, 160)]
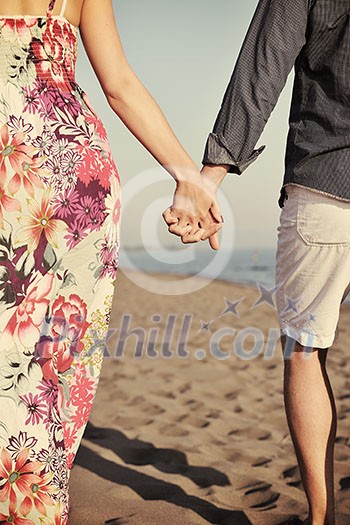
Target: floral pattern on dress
[(59, 246)]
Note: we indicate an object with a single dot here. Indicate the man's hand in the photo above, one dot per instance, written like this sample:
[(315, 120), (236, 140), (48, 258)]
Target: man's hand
[(212, 177)]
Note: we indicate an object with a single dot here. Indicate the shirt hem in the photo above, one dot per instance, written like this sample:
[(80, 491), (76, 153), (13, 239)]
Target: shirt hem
[(308, 340), (315, 190)]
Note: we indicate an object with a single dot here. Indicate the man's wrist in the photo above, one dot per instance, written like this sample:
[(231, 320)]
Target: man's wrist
[(215, 174)]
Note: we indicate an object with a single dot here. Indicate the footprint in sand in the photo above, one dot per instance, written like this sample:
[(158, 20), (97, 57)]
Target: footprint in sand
[(260, 496), (233, 456), (250, 433), (344, 396), (194, 404), (263, 435), (234, 432), (271, 366), (164, 393), (119, 521), (294, 520), (345, 483), (185, 388), (151, 410), (136, 400), (232, 395), (292, 476), (342, 440), (214, 414), (261, 461), (193, 420), (341, 456), (173, 430), (343, 413), (130, 423), (145, 406)]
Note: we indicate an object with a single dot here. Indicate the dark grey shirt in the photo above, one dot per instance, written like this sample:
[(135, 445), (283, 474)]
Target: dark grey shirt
[(313, 36)]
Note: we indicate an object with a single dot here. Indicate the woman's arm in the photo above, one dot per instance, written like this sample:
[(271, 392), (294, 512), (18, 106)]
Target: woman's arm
[(138, 110)]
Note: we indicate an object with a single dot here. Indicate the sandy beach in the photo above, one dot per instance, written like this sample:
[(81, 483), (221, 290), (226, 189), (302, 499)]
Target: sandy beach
[(188, 426)]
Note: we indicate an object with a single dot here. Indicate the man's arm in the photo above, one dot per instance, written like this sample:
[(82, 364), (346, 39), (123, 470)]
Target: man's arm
[(274, 40)]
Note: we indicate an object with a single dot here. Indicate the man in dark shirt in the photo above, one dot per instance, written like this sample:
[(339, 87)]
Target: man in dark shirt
[(313, 256)]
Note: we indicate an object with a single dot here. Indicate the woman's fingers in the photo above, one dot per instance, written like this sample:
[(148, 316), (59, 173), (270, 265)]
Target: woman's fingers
[(169, 217), (180, 230), (176, 225), (184, 223)]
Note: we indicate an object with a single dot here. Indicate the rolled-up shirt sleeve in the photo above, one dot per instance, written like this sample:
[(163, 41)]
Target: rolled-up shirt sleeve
[(273, 42)]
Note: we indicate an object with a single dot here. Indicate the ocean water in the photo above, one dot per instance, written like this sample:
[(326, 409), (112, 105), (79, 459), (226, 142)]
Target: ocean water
[(246, 266)]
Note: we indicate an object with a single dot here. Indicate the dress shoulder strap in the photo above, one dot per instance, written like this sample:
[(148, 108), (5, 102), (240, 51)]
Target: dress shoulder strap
[(63, 8), (52, 7)]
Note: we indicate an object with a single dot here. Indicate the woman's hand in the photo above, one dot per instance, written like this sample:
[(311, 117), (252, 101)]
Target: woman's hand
[(189, 216)]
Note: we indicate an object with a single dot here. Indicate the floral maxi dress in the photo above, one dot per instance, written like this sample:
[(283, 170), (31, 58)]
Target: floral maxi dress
[(59, 240)]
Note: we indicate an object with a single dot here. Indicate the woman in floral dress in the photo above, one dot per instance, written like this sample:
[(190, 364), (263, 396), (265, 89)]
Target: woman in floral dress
[(59, 236)]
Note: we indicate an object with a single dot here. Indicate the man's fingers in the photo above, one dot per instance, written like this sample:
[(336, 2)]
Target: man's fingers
[(214, 241), (215, 211), (210, 231), (193, 229), (193, 237), (206, 222)]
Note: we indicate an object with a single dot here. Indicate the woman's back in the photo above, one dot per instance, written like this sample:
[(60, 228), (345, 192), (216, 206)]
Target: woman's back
[(71, 9)]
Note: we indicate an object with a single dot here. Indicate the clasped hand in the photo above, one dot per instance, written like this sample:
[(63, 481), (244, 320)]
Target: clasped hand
[(194, 215)]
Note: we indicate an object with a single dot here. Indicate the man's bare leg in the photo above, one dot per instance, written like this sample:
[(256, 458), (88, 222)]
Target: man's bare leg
[(311, 416)]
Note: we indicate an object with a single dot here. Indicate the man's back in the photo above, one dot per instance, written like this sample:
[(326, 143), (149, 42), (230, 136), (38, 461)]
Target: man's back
[(313, 36), (318, 150)]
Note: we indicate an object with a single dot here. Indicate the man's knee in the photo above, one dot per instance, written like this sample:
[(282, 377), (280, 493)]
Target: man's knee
[(295, 353), (292, 348)]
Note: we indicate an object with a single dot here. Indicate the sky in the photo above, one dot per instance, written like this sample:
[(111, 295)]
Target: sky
[(184, 52)]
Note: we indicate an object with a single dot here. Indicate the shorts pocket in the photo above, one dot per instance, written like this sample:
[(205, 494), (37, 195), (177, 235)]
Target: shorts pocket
[(324, 223)]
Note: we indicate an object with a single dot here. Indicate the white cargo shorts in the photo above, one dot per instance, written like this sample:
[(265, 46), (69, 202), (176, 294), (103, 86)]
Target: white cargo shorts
[(312, 265)]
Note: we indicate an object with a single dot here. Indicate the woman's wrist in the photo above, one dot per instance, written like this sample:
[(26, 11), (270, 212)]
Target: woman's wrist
[(186, 174)]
